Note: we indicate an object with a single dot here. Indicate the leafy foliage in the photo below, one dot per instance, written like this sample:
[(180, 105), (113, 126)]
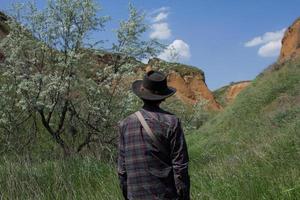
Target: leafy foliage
[(191, 116), (129, 37), (46, 81)]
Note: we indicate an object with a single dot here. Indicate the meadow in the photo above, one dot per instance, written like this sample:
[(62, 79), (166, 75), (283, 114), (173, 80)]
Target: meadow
[(251, 150)]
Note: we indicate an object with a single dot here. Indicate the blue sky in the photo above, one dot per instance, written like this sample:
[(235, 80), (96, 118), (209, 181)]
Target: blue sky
[(229, 40)]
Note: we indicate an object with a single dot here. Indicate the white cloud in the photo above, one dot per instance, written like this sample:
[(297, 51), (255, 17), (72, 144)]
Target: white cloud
[(161, 9), (178, 50), (254, 42), (270, 49), (265, 38), (160, 31), (161, 16), (160, 28), (270, 43)]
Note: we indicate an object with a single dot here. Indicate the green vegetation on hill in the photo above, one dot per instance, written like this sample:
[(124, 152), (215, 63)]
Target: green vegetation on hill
[(180, 68), (220, 95), (57, 121), (252, 149)]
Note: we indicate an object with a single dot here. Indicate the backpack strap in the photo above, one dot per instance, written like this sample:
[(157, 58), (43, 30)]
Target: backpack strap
[(150, 133)]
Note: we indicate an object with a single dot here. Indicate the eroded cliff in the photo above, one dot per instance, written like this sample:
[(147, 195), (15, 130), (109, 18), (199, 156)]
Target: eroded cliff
[(291, 42), (227, 94), (189, 82)]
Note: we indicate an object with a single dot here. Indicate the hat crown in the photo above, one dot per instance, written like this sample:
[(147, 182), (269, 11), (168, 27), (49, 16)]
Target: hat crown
[(155, 76), (153, 87), (155, 82)]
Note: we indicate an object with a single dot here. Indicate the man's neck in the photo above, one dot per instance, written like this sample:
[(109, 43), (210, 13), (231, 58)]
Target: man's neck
[(151, 107)]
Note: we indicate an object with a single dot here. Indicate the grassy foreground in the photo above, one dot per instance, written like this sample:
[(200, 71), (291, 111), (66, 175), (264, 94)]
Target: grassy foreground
[(250, 151), (68, 179)]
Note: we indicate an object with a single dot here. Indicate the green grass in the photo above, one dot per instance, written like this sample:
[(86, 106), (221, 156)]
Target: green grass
[(220, 94), (182, 69), (252, 149), (249, 151), (68, 179)]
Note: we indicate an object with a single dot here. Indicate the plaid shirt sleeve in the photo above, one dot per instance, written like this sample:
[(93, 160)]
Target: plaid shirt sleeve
[(180, 159), (121, 163)]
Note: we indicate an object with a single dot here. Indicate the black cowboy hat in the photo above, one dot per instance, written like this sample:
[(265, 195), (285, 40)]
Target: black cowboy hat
[(153, 87)]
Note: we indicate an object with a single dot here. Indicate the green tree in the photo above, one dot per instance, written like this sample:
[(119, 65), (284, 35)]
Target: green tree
[(46, 75)]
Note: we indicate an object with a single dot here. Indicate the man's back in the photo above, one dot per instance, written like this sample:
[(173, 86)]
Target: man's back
[(144, 170)]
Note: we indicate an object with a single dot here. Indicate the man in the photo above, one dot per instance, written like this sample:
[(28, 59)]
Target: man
[(153, 157)]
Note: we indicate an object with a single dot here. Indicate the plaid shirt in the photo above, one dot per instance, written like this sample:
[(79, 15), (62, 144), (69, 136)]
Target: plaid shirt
[(144, 171)]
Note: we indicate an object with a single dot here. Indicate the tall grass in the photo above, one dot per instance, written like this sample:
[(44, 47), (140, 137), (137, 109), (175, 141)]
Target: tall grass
[(76, 178), (250, 151)]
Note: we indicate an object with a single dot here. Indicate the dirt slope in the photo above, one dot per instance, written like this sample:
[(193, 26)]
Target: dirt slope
[(189, 82), (227, 94), (235, 89), (291, 42)]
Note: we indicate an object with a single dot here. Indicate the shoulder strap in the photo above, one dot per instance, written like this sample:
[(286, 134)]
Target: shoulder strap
[(150, 133)]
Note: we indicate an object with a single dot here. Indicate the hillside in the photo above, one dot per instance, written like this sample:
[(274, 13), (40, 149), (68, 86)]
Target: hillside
[(227, 94), (252, 149), (291, 42), (189, 82), (249, 151)]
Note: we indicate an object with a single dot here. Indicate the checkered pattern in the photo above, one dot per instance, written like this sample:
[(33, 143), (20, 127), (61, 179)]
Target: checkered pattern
[(144, 171)]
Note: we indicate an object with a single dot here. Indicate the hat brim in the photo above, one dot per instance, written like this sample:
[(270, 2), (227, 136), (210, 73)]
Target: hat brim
[(148, 95)]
